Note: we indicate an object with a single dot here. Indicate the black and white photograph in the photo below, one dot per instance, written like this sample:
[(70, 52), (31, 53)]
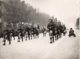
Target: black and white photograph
[(39, 29)]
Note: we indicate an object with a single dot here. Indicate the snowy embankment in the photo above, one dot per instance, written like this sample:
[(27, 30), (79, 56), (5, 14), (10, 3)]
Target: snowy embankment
[(40, 48)]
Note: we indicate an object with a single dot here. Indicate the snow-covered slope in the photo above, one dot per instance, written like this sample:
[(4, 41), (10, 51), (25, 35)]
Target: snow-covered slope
[(40, 48)]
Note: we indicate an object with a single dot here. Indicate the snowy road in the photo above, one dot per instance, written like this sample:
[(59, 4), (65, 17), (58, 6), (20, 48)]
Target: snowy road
[(64, 48)]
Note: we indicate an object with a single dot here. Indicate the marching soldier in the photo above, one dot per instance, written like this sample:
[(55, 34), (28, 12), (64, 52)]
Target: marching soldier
[(4, 37), (64, 30), (51, 28), (20, 34), (7, 37), (44, 31)]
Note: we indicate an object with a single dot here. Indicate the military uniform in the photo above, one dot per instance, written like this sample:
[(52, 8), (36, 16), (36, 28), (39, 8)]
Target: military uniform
[(51, 26)]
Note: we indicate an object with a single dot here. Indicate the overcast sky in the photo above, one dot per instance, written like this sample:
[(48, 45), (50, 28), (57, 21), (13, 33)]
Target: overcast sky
[(65, 10)]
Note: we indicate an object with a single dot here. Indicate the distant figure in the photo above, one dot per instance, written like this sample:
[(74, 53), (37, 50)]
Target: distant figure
[(51, 36), (44, 31), (71, 33), (6, 37)]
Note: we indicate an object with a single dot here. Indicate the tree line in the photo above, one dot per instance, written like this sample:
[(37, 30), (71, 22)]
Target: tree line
[(15, 11)]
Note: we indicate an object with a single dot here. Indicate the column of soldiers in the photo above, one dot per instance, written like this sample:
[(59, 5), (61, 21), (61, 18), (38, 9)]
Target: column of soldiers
[(56, 29), (26, 33)]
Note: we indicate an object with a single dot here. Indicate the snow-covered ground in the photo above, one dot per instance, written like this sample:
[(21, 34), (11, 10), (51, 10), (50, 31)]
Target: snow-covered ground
[(40, 48)]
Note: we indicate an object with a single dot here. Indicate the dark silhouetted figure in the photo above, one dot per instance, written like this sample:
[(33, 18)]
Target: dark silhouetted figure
[(71, 33), (7, 37)]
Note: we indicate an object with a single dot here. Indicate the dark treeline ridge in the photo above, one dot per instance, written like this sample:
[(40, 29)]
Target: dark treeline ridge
[(15, 11)]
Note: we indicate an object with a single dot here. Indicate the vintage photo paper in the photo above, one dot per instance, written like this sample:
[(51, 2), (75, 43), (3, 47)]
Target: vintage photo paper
[(39, 29)]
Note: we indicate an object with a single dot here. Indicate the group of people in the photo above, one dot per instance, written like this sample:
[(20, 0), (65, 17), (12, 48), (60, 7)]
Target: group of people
[(28, 33), (56, 29)]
